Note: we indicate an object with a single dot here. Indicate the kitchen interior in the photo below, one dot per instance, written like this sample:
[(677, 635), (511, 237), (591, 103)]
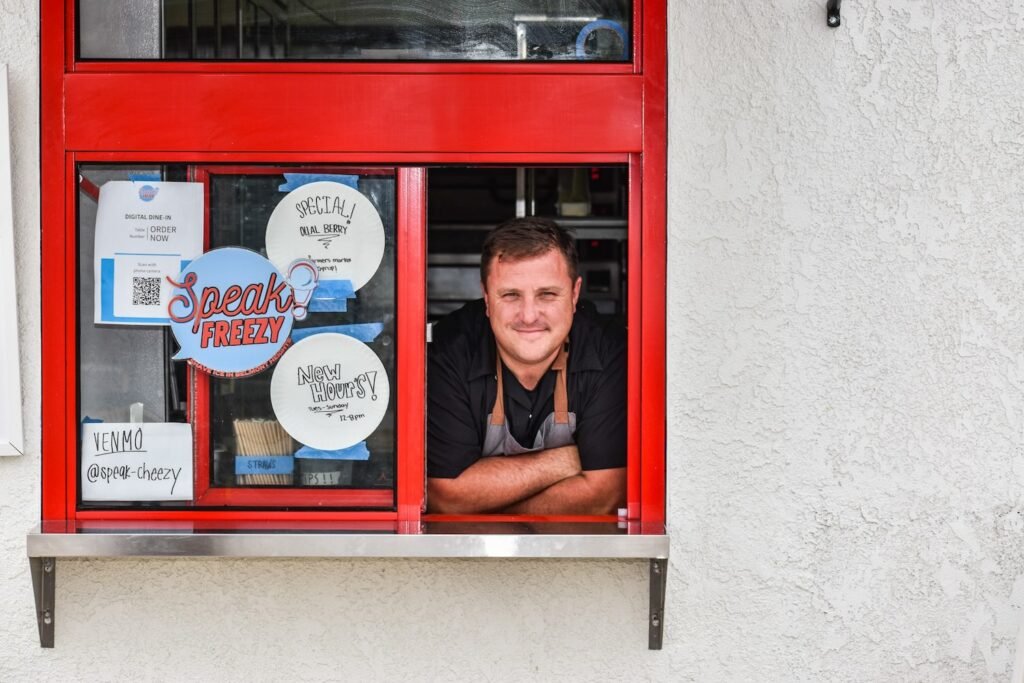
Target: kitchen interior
[(464, 203)]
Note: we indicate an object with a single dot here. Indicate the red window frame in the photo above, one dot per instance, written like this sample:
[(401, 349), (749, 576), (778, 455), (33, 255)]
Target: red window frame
[(411, 116)]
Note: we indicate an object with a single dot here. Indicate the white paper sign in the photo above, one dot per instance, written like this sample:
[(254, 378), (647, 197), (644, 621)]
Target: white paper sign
[(333, 225), (146, 231), (329, 391), (136, 461)]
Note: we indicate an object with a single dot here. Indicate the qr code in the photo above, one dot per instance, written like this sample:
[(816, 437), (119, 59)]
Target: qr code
[(145, 291)]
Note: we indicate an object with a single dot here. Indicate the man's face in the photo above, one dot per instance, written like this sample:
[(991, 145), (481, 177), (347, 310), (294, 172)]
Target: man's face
[(530, 304)]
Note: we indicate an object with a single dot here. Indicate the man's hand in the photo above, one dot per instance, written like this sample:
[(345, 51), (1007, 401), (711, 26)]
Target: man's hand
[(497, 482)]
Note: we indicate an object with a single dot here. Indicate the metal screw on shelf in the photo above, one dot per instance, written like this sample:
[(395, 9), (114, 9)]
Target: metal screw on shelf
[(833, 21), (47, 617)]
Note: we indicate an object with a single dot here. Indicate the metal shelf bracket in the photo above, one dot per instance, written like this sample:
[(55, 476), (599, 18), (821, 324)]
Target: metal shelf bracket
[(659, 580), (44, 582)]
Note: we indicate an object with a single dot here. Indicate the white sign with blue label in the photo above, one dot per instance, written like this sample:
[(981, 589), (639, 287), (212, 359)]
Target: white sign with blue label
[(146, 231), (232, 310)]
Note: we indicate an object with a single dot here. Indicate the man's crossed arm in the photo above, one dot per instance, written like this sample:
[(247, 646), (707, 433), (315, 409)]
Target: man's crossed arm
[(545, 482)]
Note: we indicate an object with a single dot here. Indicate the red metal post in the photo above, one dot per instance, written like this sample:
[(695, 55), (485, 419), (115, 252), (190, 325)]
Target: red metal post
[(634, 327), (55, 195), (411, 273), (652, 404)]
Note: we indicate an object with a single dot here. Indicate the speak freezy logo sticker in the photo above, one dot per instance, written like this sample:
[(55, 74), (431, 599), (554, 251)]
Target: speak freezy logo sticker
[(232, 311), (147, 193)]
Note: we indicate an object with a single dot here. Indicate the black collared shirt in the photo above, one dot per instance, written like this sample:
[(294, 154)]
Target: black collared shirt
[(461, 388)]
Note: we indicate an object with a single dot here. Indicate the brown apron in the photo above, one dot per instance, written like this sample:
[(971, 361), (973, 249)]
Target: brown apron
[(556, 430)]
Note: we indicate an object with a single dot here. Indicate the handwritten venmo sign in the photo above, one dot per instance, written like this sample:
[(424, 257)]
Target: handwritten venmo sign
[(335, 226), (330, 391), (231, 312), (130, 461)]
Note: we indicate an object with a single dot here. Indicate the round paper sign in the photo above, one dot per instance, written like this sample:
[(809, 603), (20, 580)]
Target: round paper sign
[(329, 391), (331, 224), (231, 312)]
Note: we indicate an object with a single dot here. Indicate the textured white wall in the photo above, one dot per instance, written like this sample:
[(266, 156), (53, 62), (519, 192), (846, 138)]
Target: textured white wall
[(19, 476), (845, 415), (846, 341)]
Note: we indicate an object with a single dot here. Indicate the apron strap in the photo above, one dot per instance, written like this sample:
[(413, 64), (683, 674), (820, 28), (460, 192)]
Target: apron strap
[(561, 390), (498, 411)]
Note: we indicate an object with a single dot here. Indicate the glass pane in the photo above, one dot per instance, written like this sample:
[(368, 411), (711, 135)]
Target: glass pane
[(119, 365), (240, 209), (159, 433), (459, 30)]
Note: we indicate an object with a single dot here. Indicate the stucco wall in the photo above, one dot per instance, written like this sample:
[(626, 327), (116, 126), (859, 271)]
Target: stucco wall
[(845, 405), (845, 414), (19, 476)]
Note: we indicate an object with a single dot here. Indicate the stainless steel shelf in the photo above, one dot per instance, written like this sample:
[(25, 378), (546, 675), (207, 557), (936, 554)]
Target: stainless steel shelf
[(44, 549), (375, 545)]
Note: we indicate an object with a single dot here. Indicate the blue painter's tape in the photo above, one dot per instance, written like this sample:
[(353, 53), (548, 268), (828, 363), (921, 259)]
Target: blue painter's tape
[(357, 452), (264, 464), (581, 39), (326, 305), (143, 176), (91, 420), (293, 181), (107, 297), (331, 296), (364, 332)]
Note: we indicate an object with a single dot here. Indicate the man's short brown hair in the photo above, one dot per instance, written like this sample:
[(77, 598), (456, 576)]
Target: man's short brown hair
[(522, 238)]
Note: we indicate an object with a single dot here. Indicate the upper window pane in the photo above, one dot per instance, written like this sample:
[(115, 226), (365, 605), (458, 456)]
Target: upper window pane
[(399, 30)]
